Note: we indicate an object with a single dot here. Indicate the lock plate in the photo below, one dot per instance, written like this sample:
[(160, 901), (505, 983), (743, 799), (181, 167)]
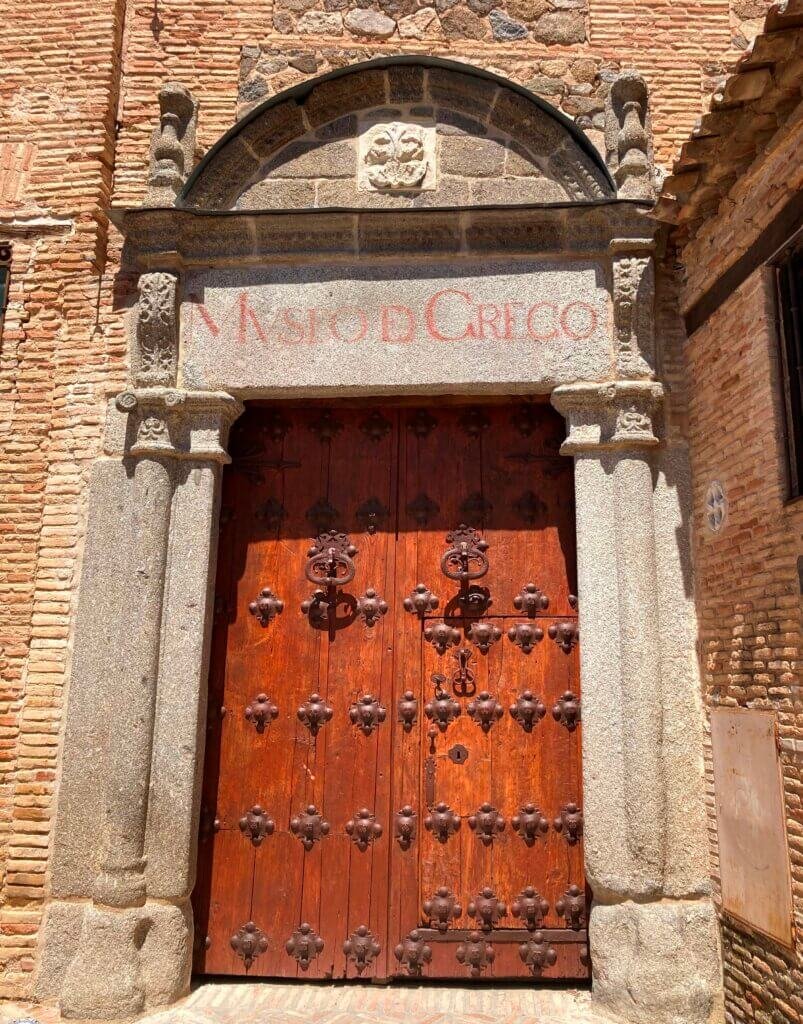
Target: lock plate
[(458, 754)]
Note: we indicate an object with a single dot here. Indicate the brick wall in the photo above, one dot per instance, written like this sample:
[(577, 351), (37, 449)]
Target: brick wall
[(746, 574), (77, 106)]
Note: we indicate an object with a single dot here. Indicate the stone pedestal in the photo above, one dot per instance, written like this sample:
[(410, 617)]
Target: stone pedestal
[(653, 931)]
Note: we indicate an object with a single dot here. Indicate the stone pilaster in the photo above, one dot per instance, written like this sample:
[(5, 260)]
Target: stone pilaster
[(96, 959), (633, 274), (655, 958)]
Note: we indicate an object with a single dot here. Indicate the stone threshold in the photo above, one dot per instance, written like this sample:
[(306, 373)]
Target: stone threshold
[(309, 1002)]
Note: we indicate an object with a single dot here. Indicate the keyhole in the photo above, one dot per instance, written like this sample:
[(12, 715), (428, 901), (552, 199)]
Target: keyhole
[(458, 754)]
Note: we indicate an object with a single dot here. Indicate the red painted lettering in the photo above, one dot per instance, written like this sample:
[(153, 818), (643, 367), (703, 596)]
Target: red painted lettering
[(349, 314), (533, 326), (430, 315), (488, 315), (394, 330), (510, 319), (566, 317), (246, 314), (294, 325)]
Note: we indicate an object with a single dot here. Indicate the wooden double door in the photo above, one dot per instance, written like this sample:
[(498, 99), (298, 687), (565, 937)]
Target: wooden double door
[(393, 774)]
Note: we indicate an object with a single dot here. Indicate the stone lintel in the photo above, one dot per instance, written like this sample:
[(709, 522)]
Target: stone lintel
[(168, 423), (160, 239), (605, 417)]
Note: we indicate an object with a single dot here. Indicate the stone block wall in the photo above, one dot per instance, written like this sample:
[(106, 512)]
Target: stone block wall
[(77, 107), (748, 590)]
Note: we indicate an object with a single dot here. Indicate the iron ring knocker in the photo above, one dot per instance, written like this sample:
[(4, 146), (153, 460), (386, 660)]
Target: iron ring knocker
[(467, 549), (330, 562)]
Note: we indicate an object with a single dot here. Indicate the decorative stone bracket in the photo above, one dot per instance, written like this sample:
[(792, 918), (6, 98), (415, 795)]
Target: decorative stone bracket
[(172, 145)]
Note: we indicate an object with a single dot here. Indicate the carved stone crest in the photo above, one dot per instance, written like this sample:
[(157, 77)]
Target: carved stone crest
[(397, 155)]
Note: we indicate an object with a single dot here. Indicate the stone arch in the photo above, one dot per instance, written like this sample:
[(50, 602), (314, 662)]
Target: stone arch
[(497, 143)]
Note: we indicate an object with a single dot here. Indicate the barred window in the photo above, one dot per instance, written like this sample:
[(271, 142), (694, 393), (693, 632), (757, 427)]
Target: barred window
[(789, 285)]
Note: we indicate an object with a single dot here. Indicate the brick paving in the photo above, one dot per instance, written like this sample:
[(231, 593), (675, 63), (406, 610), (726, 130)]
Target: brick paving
[(321, 1003)]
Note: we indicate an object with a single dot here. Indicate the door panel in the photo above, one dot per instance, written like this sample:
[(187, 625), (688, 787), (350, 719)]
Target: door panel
[(404, 485)]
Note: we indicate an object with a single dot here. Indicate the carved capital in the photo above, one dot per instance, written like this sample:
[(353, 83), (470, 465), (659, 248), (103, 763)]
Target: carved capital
[(172, 145), (177, 424), (608, 416), (633, 301), (156, 355)]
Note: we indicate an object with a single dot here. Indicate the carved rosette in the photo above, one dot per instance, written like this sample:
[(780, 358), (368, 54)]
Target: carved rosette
[(486, 909), (394, 156), (475, 953), (157, 330), (363, 829), (572, 907), (304, 945), (530, 907), (249, 942), (413, 953), (361, 948), (442, 908)]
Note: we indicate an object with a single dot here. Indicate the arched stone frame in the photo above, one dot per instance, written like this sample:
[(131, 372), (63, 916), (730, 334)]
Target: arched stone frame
[(118, 934)]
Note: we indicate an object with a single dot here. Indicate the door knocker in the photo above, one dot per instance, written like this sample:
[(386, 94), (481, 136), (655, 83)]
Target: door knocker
[(329, 566), (330, 561), (465, 559)]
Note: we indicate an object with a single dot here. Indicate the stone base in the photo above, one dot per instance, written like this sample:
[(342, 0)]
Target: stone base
[(104, 964), (657, 963)]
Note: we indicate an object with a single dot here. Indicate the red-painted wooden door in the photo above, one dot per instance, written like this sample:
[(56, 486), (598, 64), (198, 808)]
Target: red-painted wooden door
[(393, 776)]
